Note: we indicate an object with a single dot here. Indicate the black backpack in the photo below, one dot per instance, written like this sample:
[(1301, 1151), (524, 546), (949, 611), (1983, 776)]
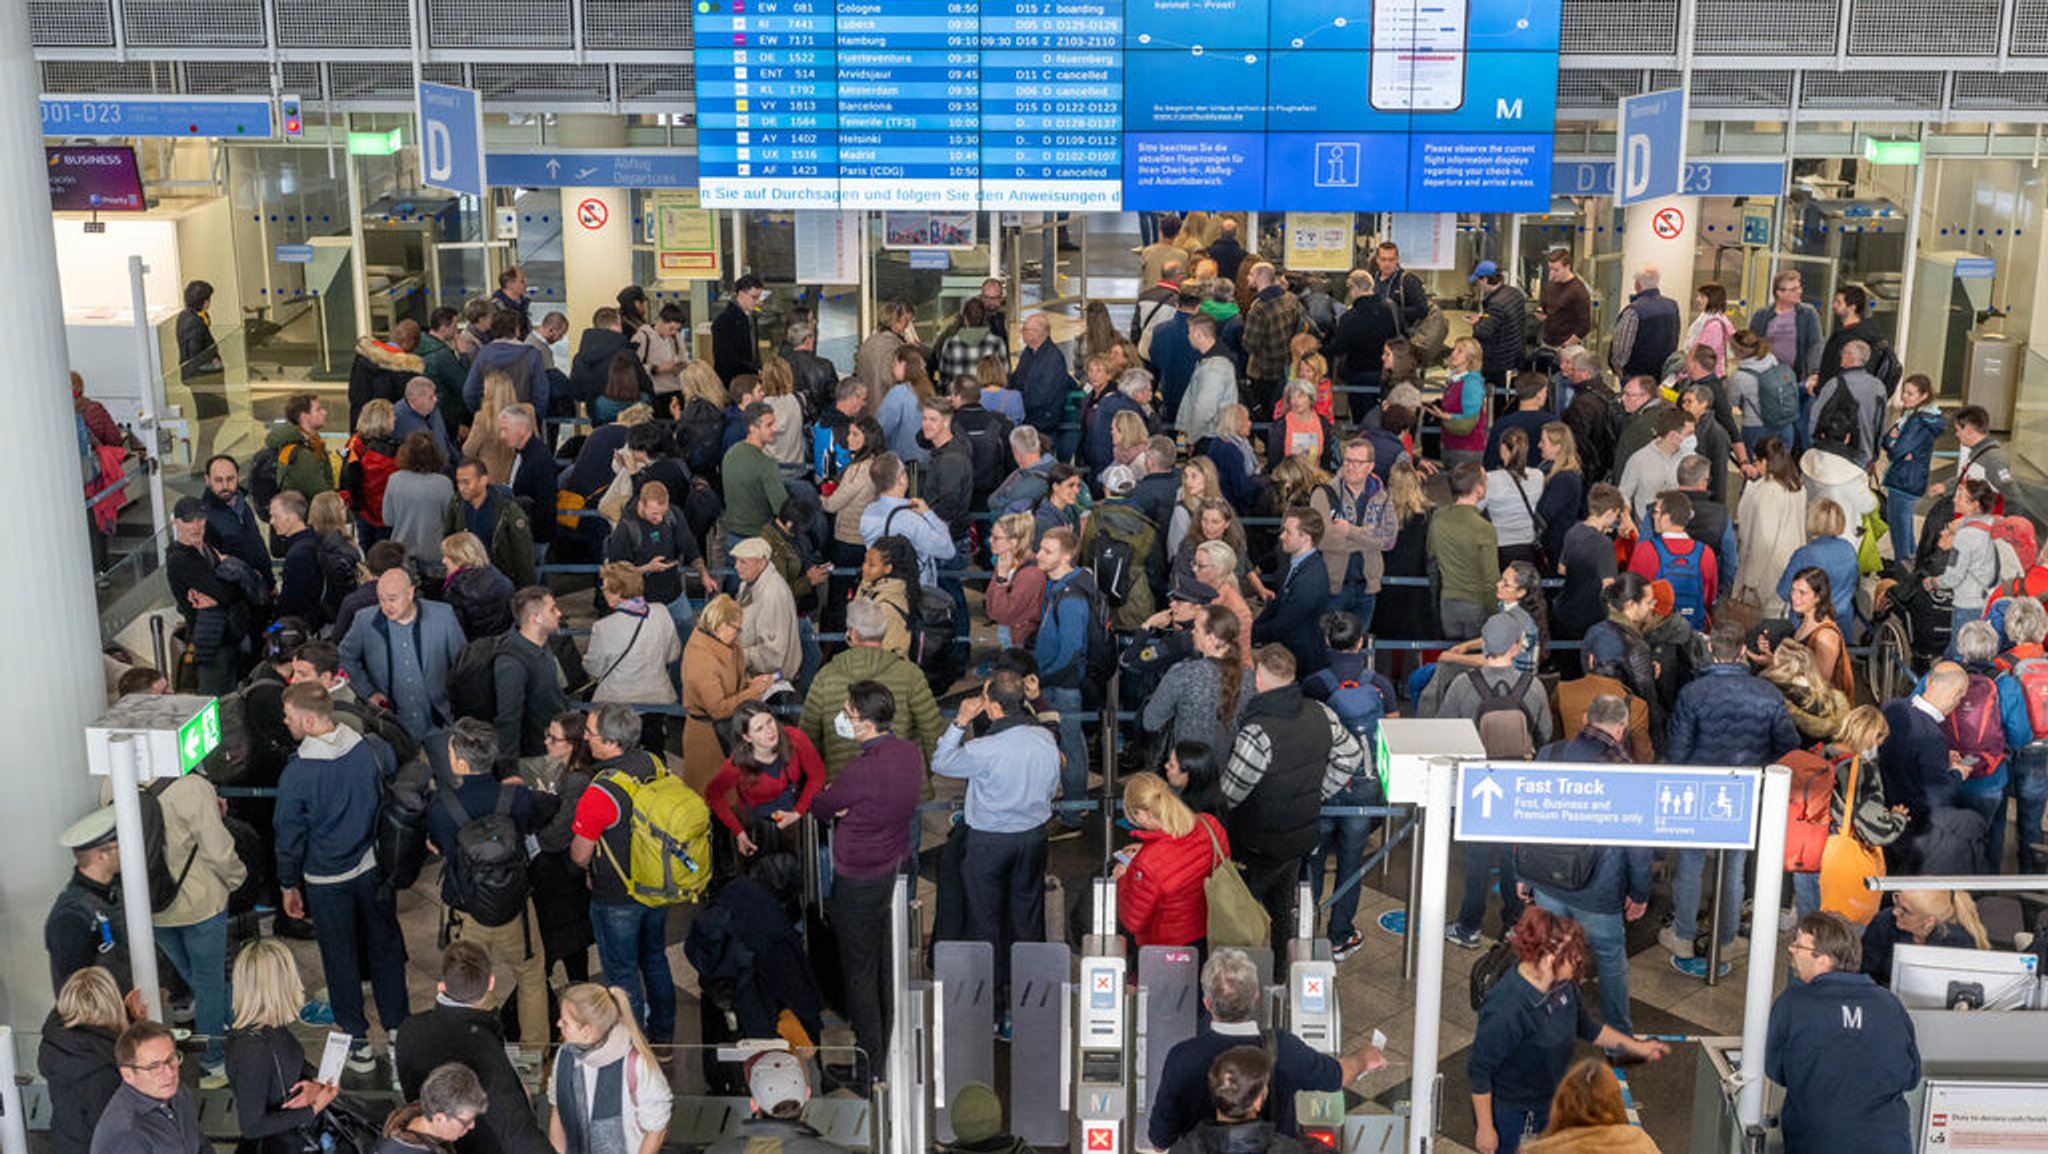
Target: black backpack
[(489, 860), (933, 631), (263, 481), (1835, 428), (472, 688), (1099, 659), (1557, 867), (988, 446), (1884, 365), (406, 789), (1119, 547), (163, 884)]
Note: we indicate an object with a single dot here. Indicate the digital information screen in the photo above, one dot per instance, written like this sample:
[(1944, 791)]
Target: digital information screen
[(1276, 105)]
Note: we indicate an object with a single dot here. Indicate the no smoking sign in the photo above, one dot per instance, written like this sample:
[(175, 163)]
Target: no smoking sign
[(592, 214), (1667, 223)]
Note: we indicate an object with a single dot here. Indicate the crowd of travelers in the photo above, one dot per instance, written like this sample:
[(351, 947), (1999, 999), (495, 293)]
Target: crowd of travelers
[(823, 595)]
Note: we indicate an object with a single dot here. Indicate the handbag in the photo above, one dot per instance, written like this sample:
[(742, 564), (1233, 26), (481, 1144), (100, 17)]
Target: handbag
[(1235, 917), (1867, 559), (583, 692), (1845, 861), (1743, 608), (1492, 966)]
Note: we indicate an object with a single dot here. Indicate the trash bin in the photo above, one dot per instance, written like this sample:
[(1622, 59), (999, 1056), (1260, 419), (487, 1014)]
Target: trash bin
[(1994, 375)]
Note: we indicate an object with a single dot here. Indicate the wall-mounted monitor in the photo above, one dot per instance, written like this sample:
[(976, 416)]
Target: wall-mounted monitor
[(94, 178)]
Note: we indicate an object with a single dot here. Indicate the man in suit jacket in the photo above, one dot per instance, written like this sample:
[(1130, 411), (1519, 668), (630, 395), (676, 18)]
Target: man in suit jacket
[(1293, 618)]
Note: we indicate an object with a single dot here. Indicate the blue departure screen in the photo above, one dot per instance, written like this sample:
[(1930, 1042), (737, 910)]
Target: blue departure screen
[(1339, 105)]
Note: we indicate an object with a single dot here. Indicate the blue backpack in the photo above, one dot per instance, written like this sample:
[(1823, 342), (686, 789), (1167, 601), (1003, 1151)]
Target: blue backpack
[(1688, 583)]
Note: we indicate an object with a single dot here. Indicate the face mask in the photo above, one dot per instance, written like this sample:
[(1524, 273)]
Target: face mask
[(1688, 445), (843, 725)]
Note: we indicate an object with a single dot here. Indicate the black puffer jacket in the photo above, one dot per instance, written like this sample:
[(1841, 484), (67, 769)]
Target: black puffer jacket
[(1503, 330), (78, 1063), (339, 575), (482, 600)]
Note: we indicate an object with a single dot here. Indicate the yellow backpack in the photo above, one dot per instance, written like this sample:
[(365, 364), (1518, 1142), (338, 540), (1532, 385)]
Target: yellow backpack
[(671, 839)]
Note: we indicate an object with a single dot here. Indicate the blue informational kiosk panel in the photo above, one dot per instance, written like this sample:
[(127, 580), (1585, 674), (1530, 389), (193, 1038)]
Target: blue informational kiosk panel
[(1342, 105)]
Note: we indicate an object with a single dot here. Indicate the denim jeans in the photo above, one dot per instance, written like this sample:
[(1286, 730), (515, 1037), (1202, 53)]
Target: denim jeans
[(1353, 598), (1346, 839), (1687, 879), (1480, 859), (359, 913), (813, 657), (1786, 434), (1898, 517), (200, 953), (1461, 619), (1805, 893), (1607, 941), (632, 945), (2029, 783), (1990, 803), (1073, 747), (684, 615), (950, 585), (1515, 1120)]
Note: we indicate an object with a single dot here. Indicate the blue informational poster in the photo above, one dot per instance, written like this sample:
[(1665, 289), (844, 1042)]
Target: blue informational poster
[(1277, 105)]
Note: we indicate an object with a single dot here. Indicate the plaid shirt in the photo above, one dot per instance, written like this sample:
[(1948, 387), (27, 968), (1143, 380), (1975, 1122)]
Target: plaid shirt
[(958, 358), (1271, 323)]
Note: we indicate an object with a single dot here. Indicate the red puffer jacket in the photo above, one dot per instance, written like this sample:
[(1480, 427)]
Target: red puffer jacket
[(1159, 898)]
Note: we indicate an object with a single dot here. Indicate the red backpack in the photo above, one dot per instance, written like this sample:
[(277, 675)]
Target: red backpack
[(2031, 675), (1974, 730)]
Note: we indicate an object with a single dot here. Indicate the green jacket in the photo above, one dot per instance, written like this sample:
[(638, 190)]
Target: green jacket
[(783, 555), (1466, 550), (754, 492), (306, 469), (444, 367), (511, 540), (917, 715)]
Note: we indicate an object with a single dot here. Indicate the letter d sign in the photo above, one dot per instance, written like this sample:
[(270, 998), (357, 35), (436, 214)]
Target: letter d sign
[(1635, 168), (440, 149)]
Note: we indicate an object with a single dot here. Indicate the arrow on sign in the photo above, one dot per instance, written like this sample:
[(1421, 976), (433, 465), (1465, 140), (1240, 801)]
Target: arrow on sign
[(1486, 793), (554, 168), (194, 742)]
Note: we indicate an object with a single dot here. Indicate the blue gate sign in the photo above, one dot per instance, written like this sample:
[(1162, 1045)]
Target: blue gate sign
[(1651, 140), (593, 168), (1652, 805), (1584, 176), (451, 138), (188, 116)]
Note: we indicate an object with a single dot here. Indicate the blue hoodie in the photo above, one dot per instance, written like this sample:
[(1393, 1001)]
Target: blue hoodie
[(327, 802)]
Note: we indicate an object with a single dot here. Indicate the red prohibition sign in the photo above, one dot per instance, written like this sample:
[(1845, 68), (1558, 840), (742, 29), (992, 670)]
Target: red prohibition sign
[(592, 214), (1668, 223)]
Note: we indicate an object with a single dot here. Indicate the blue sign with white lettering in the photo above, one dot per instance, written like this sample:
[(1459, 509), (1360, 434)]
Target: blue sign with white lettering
[(451, 138), (295, 254), (1608, 805), (1702, 178), (1652, 144), (1976, 266), (593, 168), (190, 116)]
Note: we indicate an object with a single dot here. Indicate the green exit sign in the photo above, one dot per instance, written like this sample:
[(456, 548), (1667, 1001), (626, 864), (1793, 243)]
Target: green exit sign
[(199, 736), (1891, 151)]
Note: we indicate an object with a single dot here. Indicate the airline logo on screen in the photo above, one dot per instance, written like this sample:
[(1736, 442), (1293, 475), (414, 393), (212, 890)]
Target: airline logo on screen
[(1127, 104)]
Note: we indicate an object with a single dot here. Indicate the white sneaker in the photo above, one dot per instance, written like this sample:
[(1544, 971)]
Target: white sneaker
[(1668, 938)]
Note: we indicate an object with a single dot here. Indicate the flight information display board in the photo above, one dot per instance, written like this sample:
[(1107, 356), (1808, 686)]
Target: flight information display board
[(1333, 105)]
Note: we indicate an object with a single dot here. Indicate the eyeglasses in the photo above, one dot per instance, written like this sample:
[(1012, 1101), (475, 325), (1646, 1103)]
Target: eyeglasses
[(171, 1063), (1796, 948), (1361, 462), (556, 739)]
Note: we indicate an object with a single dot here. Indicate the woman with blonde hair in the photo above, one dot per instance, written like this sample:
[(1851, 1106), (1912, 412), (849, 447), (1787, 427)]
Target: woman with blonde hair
[(1818, 708), (1921, 918), (1128, 438), (341, 558), (483, 443), (1214, 520), (1015, 599), (604, 1056), (902, 413), (1878, 823), (1230, 450), (1564, 486), (275, 1094), (778, 388), (631, 649), (715, 681), (368, 461), (76, 1056), (1198, 484), (1588, 1116), (1407, 611), (477, 590), (1463, 408), (1159, 890)]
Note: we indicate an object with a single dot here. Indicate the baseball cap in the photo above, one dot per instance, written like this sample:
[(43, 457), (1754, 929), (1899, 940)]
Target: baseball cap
[(1186, 588), (1118, 480), (189, 509), (775, 1077), (1485, 268), (1500, 634)]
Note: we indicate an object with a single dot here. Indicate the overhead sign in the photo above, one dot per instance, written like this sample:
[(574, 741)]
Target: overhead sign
[(1976, 266), (199, 736), (593, 168), (1551, 802), (1651, 144), (173, 734), (1583, 177), (295, 254), (451, 138), (191, 116)]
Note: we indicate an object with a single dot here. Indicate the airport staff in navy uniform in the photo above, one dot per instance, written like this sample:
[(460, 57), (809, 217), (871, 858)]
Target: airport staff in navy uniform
[(1842, 1046), (84, 927)]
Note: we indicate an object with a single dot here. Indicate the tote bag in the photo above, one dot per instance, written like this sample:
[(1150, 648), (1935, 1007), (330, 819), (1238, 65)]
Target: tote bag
[(1846, 861), (1235, 917)]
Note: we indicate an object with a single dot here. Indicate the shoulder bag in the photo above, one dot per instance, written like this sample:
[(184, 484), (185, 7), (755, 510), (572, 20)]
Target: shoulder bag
[(1235, 917)]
